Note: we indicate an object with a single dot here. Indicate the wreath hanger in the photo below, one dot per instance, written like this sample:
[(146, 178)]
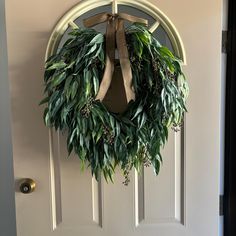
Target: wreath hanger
[(115, 37)]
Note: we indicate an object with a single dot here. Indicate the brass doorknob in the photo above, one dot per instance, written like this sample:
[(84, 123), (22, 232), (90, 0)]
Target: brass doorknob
[(27, 186)]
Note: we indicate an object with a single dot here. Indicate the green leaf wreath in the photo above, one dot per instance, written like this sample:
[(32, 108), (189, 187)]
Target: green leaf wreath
[(99, 137)]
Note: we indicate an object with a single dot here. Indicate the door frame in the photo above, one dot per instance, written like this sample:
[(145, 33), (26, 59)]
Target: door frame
[(230, 127), (7, 193)]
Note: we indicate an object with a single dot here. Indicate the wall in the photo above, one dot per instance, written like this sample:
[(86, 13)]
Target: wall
[(7, 201)]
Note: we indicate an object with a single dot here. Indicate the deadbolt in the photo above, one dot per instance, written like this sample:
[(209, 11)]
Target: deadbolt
[(27, 186)]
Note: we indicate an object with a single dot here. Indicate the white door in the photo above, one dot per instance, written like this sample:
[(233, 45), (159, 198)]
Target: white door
[(183, 199)]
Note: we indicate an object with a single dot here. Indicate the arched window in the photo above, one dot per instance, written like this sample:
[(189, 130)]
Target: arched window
[(161, 26)]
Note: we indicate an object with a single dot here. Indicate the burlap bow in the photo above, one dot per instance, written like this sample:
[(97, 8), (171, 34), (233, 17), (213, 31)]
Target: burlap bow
[(115, 36)]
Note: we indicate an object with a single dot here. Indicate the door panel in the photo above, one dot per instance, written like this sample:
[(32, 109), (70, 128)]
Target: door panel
[(181, 201)]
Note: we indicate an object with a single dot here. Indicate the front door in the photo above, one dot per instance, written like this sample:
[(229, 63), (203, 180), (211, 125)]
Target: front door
[(183, 199)]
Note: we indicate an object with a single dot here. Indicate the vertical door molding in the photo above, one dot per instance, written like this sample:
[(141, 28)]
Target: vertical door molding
[(7, 200)]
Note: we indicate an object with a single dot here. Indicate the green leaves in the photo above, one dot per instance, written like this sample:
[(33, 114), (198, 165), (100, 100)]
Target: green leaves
[(74, 89), (101, 139), (98, 39), (56, 66), (58, 79)]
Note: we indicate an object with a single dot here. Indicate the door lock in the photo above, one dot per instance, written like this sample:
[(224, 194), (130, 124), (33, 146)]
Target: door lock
[(27, 186)]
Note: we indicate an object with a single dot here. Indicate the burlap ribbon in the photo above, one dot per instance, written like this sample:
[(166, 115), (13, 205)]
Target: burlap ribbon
[(115, 36)]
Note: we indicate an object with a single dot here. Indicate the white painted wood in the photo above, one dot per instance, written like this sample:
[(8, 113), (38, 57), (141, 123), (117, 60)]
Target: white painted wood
[(73, 25), (154, 26), (183, 199), (114, 7)]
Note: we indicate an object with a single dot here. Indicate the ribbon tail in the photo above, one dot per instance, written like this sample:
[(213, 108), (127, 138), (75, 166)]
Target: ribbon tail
[(110, 60), (124, 61), (115, 34)]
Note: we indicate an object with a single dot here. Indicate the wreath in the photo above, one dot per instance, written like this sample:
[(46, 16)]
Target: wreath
[(102, 138)]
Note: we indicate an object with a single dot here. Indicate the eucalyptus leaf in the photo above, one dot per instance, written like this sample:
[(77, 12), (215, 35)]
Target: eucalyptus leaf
[(100, 138)]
